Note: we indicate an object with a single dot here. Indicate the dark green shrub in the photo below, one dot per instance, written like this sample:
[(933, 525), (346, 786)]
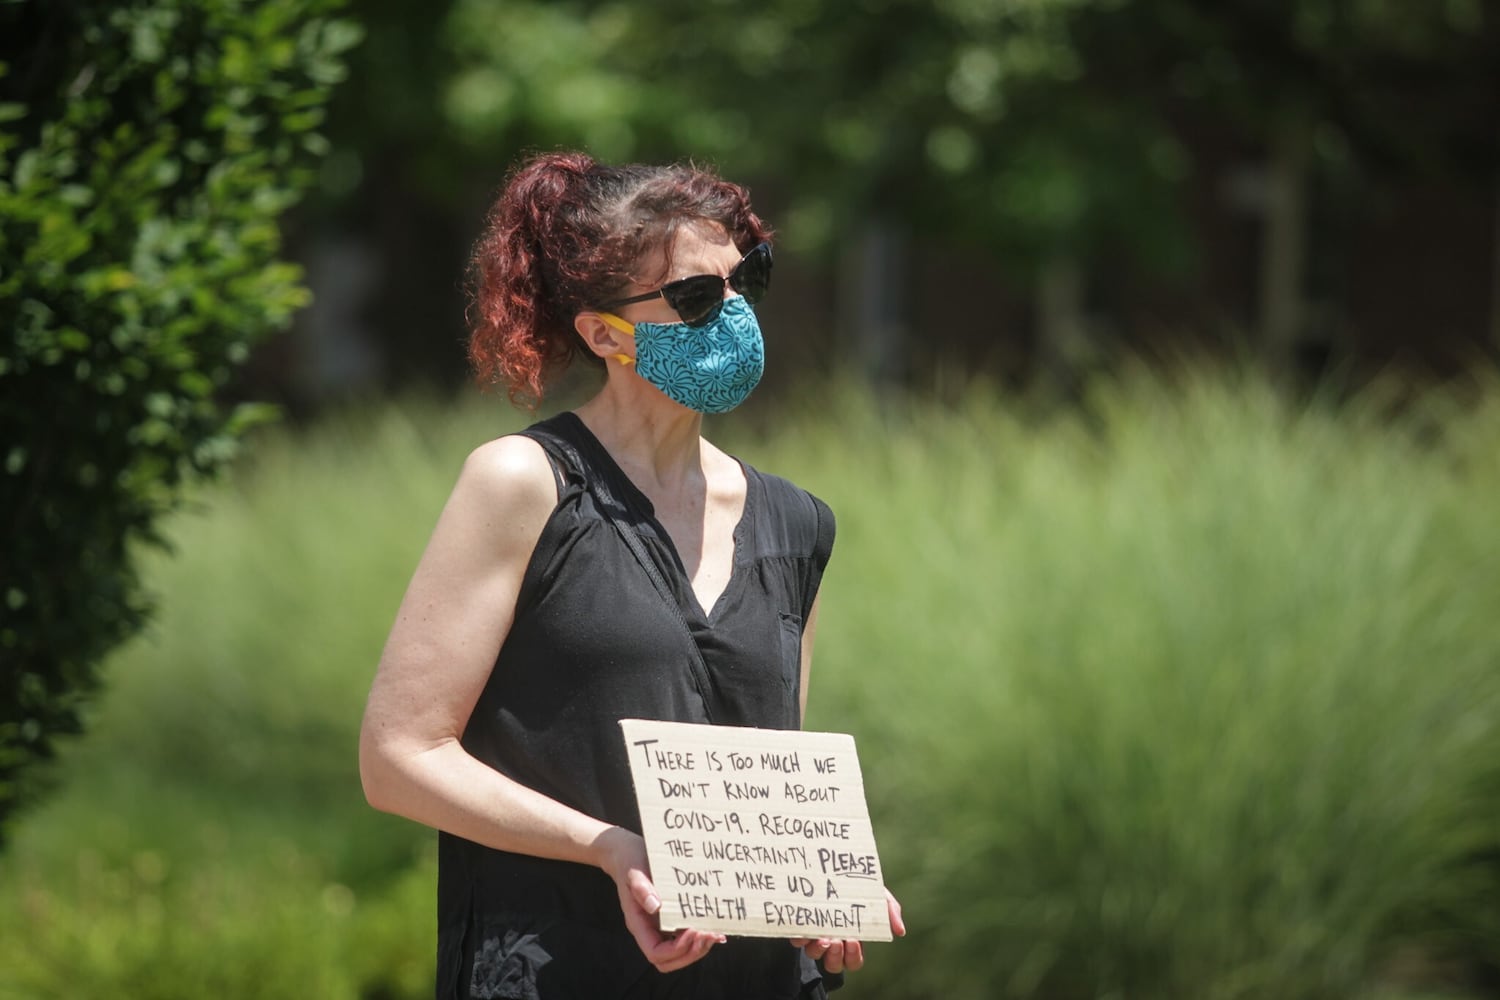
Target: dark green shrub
[(146, 152)]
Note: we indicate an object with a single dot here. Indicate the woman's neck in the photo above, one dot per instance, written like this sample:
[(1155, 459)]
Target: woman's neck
[(658, 443)]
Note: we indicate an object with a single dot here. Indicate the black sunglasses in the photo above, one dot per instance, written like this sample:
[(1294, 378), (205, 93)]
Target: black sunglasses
[(698, 299)]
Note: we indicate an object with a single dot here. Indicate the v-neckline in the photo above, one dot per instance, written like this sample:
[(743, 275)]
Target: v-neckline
[(647, 509)]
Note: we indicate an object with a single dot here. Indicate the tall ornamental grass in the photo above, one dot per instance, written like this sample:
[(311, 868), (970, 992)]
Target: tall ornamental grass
[(1194, 697), (1192, 692)]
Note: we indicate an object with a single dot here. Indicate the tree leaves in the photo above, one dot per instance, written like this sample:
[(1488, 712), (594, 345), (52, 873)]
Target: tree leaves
[(141, 179)]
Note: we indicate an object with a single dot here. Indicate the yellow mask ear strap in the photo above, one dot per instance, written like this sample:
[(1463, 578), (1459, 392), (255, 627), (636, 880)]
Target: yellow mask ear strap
[(619, 324), (623, 327)]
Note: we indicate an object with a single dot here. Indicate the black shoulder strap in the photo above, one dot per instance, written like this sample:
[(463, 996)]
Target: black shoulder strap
[(822, 550), (562, 453)]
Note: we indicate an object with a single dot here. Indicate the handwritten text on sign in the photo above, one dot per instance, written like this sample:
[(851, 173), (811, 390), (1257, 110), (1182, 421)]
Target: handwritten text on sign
[(757, 832)]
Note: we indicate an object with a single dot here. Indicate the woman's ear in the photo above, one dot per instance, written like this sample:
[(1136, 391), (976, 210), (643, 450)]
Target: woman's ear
[(604, 338)]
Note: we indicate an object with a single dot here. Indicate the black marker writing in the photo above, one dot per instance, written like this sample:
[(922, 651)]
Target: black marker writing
[(831, 917), (810, 793), (759, 854), (846, 863), (706, 907), (682, 789), (801, 826)]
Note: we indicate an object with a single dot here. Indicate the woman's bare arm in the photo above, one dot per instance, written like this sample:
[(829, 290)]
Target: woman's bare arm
[(809, 633), (456, 613)]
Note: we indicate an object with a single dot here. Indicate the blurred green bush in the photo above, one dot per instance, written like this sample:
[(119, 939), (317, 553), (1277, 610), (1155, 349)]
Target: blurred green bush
[(146, 153), (1197, 699), (1193, 694)]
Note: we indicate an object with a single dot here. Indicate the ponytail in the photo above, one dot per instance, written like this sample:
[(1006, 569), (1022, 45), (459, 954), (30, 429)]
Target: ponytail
[(515, 332)]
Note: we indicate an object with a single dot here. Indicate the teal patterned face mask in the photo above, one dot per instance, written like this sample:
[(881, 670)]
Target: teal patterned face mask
[(709, 368)]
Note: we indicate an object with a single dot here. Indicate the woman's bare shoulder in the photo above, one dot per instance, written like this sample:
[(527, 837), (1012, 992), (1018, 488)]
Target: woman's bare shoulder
[(511, 469), (506, 489)]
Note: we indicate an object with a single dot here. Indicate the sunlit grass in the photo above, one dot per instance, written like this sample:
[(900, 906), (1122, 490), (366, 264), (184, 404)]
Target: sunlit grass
[(1187, 704), (1191, 693)]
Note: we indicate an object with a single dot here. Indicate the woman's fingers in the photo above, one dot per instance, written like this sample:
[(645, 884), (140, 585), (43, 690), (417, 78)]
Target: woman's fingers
[(667, 952), (642, 891), (678, 952), (639, 903), (849, 956), (624, 855), (836, 955), (893, 911), (685, 949)]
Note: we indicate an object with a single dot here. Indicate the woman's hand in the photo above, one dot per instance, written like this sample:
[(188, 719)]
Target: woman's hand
[(624, 860), (849, 956)]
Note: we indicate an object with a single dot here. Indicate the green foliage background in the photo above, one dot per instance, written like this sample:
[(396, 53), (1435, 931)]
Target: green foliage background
[(1190, 694), (147, 151), (1029, 128)]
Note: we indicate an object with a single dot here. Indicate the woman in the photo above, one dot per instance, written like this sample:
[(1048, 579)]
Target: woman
[(570, 576)]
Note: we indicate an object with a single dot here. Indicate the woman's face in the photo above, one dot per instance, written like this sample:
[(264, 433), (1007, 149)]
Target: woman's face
[(699, 248)]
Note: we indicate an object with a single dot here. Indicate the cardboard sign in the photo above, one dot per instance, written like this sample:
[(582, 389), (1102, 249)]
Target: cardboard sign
[(757, 832)]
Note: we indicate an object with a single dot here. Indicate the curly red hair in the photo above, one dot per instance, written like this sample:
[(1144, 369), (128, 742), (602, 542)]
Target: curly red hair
[(568, 232)]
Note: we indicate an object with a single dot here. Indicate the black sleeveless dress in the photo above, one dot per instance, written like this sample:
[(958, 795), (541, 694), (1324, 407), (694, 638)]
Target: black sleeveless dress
[(594, 642)]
